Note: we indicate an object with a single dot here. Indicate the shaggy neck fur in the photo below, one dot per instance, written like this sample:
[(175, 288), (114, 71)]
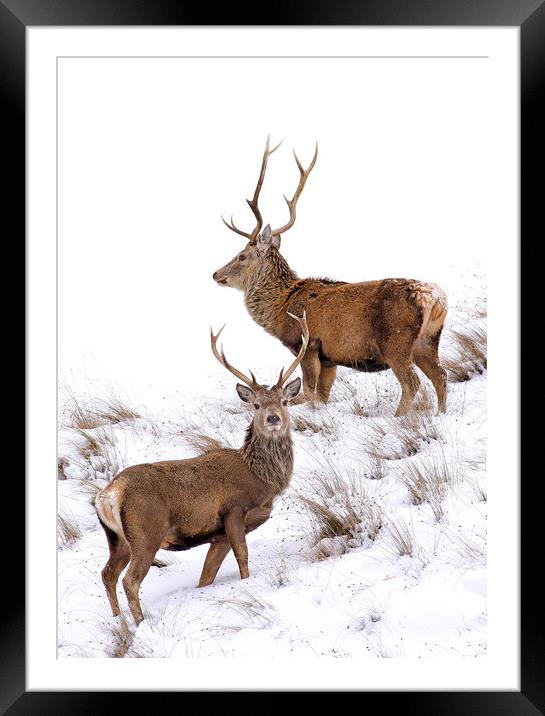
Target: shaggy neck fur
[(268, 291), (269, 458)]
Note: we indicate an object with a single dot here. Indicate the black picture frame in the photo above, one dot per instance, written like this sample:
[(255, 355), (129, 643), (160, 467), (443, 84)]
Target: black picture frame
[(529, 15)]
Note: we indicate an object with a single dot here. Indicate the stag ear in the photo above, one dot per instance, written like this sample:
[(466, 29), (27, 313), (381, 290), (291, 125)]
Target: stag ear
[(266, 239), (292, 389), (246, 394)]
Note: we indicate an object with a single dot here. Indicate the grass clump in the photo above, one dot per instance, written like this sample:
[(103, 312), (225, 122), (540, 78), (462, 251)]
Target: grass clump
[(68, 530), (401, 537), (340, 514), (86, 413), (467, 354)]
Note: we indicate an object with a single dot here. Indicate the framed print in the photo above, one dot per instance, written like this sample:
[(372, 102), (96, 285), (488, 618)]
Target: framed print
[(348, 516)]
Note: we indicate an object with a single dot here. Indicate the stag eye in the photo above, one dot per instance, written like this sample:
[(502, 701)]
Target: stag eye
[(256, 406), (242, 257)]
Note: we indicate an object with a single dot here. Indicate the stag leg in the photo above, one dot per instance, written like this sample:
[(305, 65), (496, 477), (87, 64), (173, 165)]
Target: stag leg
[(235, 529), (119, 558), (138, 568), (426, 358), (143, 551), (325, 381), (410, 383), (217, 552), (258, 515)]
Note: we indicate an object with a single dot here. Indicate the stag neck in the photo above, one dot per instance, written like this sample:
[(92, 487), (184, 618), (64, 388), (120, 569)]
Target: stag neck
[(269, 458), (263, 296), (274, 273)]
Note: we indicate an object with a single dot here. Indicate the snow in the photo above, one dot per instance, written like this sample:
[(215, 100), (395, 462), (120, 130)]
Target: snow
[(345, 595)]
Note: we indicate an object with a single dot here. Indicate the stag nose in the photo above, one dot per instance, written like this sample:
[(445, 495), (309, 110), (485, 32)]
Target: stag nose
[(273, 419), (215, 275)]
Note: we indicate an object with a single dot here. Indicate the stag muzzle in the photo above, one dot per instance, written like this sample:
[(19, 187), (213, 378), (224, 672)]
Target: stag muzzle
[(219, 279), (273, 422)]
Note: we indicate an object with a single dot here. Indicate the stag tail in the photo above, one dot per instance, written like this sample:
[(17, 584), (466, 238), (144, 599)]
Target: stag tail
[(433, 301), (107, 508)]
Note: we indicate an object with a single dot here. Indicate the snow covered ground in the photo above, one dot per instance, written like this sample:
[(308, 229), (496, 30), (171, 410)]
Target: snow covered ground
[(377, 549)]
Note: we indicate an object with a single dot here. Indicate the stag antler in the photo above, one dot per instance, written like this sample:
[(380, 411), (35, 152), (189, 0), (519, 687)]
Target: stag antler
[(283, 377), (292, 204), (251, 382), (252, 203)]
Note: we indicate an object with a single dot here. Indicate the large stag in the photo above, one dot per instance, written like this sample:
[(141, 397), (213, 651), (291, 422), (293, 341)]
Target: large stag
[(214, 498), (370, 326)]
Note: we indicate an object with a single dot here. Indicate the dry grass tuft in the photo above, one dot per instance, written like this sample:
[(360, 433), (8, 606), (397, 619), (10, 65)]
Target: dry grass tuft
[(254, 609), (340, 513), (68, 531), (87, 413), (99, 455), (419, 427), (428, 482), (396, 438), (207, 428), (402, 540), (203, 444), (281, 574), (468, 353), (321, 422), (115, 411)]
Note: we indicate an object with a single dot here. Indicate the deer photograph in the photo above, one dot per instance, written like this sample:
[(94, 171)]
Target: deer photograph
[(369, 326), (208, 507), (215, 498)]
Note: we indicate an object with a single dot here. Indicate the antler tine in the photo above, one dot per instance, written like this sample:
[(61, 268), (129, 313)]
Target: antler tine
[(235, 228), (225, 363), (292, 203), (283, 377), (252, 203)]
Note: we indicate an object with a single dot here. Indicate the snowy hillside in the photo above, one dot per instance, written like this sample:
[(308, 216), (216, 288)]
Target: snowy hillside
[(377, 549)]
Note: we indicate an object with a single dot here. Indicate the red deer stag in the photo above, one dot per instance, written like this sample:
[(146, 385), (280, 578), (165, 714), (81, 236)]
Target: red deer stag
[(370, 326), (214, 498)]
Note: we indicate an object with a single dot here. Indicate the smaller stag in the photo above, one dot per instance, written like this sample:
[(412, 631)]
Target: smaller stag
[(369, 326), (214, 498)]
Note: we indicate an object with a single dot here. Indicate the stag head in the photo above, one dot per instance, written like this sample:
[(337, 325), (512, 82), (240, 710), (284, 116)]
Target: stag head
[(239, 271), (269, 403)]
